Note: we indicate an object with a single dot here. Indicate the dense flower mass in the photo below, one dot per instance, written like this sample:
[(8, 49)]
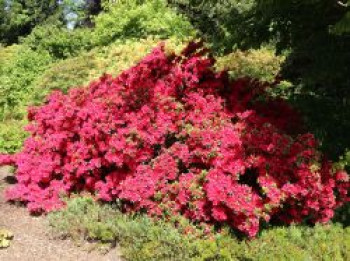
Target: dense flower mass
[(170, 136)]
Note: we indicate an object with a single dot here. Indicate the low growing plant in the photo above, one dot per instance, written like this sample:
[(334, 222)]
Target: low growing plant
[(141, 238), (5, 238)]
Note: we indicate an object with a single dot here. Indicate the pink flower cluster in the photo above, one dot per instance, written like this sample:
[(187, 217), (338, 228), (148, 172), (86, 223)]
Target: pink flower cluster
[(170, 136)]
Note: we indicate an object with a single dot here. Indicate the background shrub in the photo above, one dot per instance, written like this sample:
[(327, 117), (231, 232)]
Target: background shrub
[(140, 19), (58, 41), (17, 75), (121, 55), (12, 135), (6, 54), (262, 64), (19, 68), (64, 74), (80, 70)]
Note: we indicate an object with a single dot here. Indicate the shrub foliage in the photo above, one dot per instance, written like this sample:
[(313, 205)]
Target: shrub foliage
[(261, 63), (141, 238), (170, 136), (134, 19)]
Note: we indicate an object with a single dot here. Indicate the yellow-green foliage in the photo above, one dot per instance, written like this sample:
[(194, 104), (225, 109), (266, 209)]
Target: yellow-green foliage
[(5, 238), (261, 63), (79, 71), (65, 74), (139, 19), (6, 54), (120, 56), (20, 68), (58, 41), (115, 58), (12, 135), (143, 239)]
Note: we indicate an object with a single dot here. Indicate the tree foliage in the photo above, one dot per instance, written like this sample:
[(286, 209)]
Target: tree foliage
[(317, 33), (225, 24), (319, 55), (82, 12), (19, 17)]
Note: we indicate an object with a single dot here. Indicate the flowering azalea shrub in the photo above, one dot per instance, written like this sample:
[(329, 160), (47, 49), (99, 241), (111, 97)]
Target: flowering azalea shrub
[(170, 136)]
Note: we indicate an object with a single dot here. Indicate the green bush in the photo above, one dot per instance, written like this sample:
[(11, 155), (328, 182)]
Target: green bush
[(12, 135), (139, 19), (80, 70), (16, 77), (19, 67), (59, 42), (65, 74), (6, 54), (141, 238), (133, 19), (121, 55), (262, 64)]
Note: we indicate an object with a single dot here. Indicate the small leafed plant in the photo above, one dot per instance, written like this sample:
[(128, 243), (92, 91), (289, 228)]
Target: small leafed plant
[(173, 137), (5, 238), (141, 238)]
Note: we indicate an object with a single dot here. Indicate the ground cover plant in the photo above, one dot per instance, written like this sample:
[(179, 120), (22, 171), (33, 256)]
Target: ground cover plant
[(142, 238), (173, 137)]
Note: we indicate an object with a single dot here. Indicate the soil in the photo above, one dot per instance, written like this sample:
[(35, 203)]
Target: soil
[(33, 239)]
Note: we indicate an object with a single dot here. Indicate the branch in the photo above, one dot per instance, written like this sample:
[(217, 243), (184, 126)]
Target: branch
[(343, 4)]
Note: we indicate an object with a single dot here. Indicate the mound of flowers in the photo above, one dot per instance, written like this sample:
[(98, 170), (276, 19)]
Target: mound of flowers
[(170, 136)]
